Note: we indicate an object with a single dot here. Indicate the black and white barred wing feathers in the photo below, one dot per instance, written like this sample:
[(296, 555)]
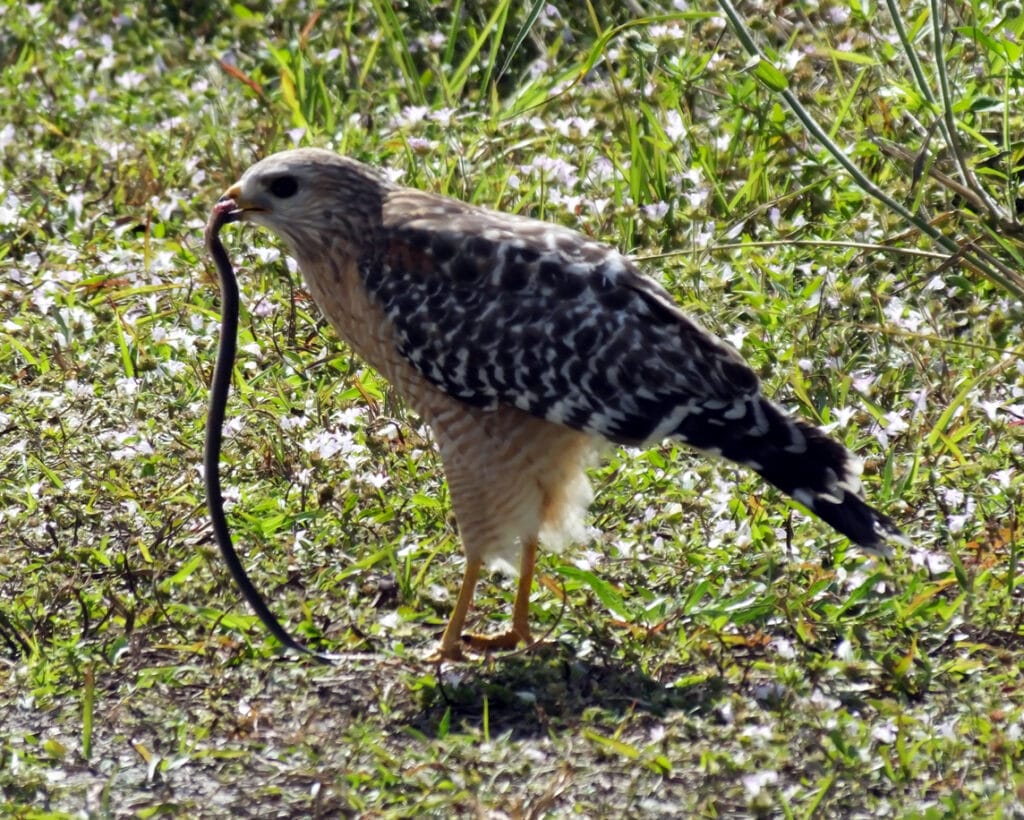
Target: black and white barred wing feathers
[(499, 309), (496, 309)]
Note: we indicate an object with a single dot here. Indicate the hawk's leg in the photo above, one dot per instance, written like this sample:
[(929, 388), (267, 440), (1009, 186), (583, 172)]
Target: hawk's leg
[(453, 639), (520, 630)]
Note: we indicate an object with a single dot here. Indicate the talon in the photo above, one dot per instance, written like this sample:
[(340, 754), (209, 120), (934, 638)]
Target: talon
[(452, 654), (490, 643)]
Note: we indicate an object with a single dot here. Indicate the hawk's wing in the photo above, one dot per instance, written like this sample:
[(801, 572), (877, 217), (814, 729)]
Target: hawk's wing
[(499, 309)]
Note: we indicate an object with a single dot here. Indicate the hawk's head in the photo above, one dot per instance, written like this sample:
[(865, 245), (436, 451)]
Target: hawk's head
[(306, 194)]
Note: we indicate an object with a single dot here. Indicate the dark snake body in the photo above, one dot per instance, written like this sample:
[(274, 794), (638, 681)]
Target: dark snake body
[(225, 212)]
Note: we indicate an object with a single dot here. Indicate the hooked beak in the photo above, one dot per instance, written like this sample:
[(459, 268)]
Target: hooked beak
[(242, 207)]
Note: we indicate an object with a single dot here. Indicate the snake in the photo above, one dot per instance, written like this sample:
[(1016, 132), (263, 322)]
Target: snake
[(225, 212)]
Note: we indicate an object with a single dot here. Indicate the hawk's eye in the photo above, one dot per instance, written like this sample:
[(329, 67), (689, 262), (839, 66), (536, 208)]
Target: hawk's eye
[(283, 187)]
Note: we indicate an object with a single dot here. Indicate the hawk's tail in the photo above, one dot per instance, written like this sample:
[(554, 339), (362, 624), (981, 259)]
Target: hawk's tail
[(797, 458)]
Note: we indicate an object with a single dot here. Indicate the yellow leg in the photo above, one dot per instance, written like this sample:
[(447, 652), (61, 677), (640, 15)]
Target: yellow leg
[(452, 639), (521, 610), (520, 630), (451, 642)]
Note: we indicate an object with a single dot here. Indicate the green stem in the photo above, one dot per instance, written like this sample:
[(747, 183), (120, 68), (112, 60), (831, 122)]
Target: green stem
[(991, 268)]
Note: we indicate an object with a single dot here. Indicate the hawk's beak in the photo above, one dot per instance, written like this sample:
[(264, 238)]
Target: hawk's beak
[(242, 206)]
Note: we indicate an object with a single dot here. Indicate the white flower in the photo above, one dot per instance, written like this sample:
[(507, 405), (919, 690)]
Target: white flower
[(837, 15), (293, 422), (784, 648), (443, 116), (674, 127), (553, 169), (326, 443), (655, 212), (791, 59), (991, 408), (413, 115), (894, 423), (844, 651), (1003, 477), (130, 79), (754, 784), (375, 480), (842, 415), (935, 563), (736, 337)]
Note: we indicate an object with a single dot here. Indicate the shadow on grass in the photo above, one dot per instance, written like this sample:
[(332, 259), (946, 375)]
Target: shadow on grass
[(549, 687)]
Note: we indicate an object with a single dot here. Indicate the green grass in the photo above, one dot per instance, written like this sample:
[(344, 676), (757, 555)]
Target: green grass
[(713, 652)]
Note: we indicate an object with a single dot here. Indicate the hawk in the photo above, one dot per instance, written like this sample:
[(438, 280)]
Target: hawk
[(525, 346)]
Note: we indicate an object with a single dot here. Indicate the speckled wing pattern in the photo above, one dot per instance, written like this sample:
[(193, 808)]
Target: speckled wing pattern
[(500, 309)]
